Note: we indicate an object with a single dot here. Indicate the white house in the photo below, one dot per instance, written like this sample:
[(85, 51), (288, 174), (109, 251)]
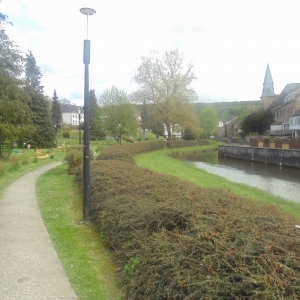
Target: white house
[(70, 114)]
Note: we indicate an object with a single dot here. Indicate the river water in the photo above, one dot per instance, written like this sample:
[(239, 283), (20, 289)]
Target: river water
[(283, 182)]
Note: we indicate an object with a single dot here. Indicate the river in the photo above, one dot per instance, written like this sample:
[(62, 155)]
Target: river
[(283, 182)]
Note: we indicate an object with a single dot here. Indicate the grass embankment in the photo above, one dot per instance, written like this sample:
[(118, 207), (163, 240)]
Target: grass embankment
[(81, 251), (158, 161)]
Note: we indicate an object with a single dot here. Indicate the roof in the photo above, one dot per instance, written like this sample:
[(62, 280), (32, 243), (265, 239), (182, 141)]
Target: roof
[(288, 89), (69, 108), (268, 85), (268, 76)]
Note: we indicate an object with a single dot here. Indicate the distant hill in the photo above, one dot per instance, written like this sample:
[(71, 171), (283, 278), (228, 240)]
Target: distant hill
[(226, 110), (229, 110)]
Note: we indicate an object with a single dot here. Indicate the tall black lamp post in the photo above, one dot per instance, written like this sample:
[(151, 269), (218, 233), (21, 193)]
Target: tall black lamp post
[(79, 130), (86, 143)]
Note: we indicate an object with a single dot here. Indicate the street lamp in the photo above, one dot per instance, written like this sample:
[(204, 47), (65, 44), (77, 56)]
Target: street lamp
[(79, 111), (86, 143)]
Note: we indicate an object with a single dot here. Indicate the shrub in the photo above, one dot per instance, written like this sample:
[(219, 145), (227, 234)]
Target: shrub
[(66, 134), (186, 143), (74, 158), (127, 152), (116, 153), (175, 240)]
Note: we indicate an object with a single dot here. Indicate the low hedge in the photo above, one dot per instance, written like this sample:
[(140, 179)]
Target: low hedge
[(174, 240), (127, 152), (186, 143)]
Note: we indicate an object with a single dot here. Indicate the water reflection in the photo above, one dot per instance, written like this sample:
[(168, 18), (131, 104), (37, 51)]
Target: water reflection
[(279, 181)]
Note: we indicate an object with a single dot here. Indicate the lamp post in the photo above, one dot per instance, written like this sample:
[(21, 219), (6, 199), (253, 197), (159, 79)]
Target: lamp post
[(86, 141), (79, 111)]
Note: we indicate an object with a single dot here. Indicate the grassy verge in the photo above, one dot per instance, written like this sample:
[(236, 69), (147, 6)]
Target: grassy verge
[(159, 162), (81, 251), (19, 164)]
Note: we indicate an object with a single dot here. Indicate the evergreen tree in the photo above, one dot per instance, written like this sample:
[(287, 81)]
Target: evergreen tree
[(43, 136), (96, 128), (33, 74), (56, 114), (15, 114)]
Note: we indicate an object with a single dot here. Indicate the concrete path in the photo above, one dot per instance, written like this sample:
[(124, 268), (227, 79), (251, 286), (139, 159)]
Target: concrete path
[(29, 265)]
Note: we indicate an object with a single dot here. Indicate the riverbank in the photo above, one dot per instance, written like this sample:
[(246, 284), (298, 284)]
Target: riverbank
[(159, 161), (280, 157)]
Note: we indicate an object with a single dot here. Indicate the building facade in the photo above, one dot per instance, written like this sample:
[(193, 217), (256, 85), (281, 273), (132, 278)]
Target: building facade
[(285, 106), (72, 114)]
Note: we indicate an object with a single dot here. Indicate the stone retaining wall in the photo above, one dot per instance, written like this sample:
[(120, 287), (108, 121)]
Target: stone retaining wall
[(280, 157)]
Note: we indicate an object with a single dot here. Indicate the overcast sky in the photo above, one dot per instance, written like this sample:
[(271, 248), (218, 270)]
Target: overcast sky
[(229, 42)]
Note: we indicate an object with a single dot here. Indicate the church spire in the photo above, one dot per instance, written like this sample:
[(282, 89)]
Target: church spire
[(268, 85)]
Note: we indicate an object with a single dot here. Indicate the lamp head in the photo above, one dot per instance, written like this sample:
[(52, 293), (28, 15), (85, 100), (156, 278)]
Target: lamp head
[(87, 11)]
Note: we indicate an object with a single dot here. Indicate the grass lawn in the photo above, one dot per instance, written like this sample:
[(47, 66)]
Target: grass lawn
[(158, 161), (21, 163), (79, 246)]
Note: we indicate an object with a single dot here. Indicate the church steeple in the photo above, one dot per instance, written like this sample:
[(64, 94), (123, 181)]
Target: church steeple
[(268, 94), (268, 85)]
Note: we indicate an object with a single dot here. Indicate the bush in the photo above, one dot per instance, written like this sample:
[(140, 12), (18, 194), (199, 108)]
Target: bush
[(186, 143), (174, 240), (74, 158), (66, 134), (116, 153), (127, 152)]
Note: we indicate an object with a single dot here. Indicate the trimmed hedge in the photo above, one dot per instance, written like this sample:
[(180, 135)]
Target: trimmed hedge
[(186, 143), (127, 152), (116, 152), (174, 240)]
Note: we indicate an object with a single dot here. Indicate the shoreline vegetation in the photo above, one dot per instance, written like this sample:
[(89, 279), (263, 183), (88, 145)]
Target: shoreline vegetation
[(96, 280)]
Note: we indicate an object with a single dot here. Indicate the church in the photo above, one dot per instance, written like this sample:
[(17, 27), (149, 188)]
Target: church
[(286, 106)]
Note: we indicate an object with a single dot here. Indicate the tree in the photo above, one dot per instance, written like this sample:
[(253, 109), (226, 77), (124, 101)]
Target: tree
[(96, 127), (56, 114), (145, 116), (209, 121), (64, 101), (44, 135), (33, 74), (119, 114), (164, 82), (15, 114), (11, 58), (258, 121)]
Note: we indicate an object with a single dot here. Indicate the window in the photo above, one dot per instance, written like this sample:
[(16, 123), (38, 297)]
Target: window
[(288, 112)]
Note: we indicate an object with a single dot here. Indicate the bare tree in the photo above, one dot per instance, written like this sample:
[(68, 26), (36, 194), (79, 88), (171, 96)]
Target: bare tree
[(164, 82)]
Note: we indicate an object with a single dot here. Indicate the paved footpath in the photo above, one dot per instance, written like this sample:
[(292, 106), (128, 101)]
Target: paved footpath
[(29, 265)]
